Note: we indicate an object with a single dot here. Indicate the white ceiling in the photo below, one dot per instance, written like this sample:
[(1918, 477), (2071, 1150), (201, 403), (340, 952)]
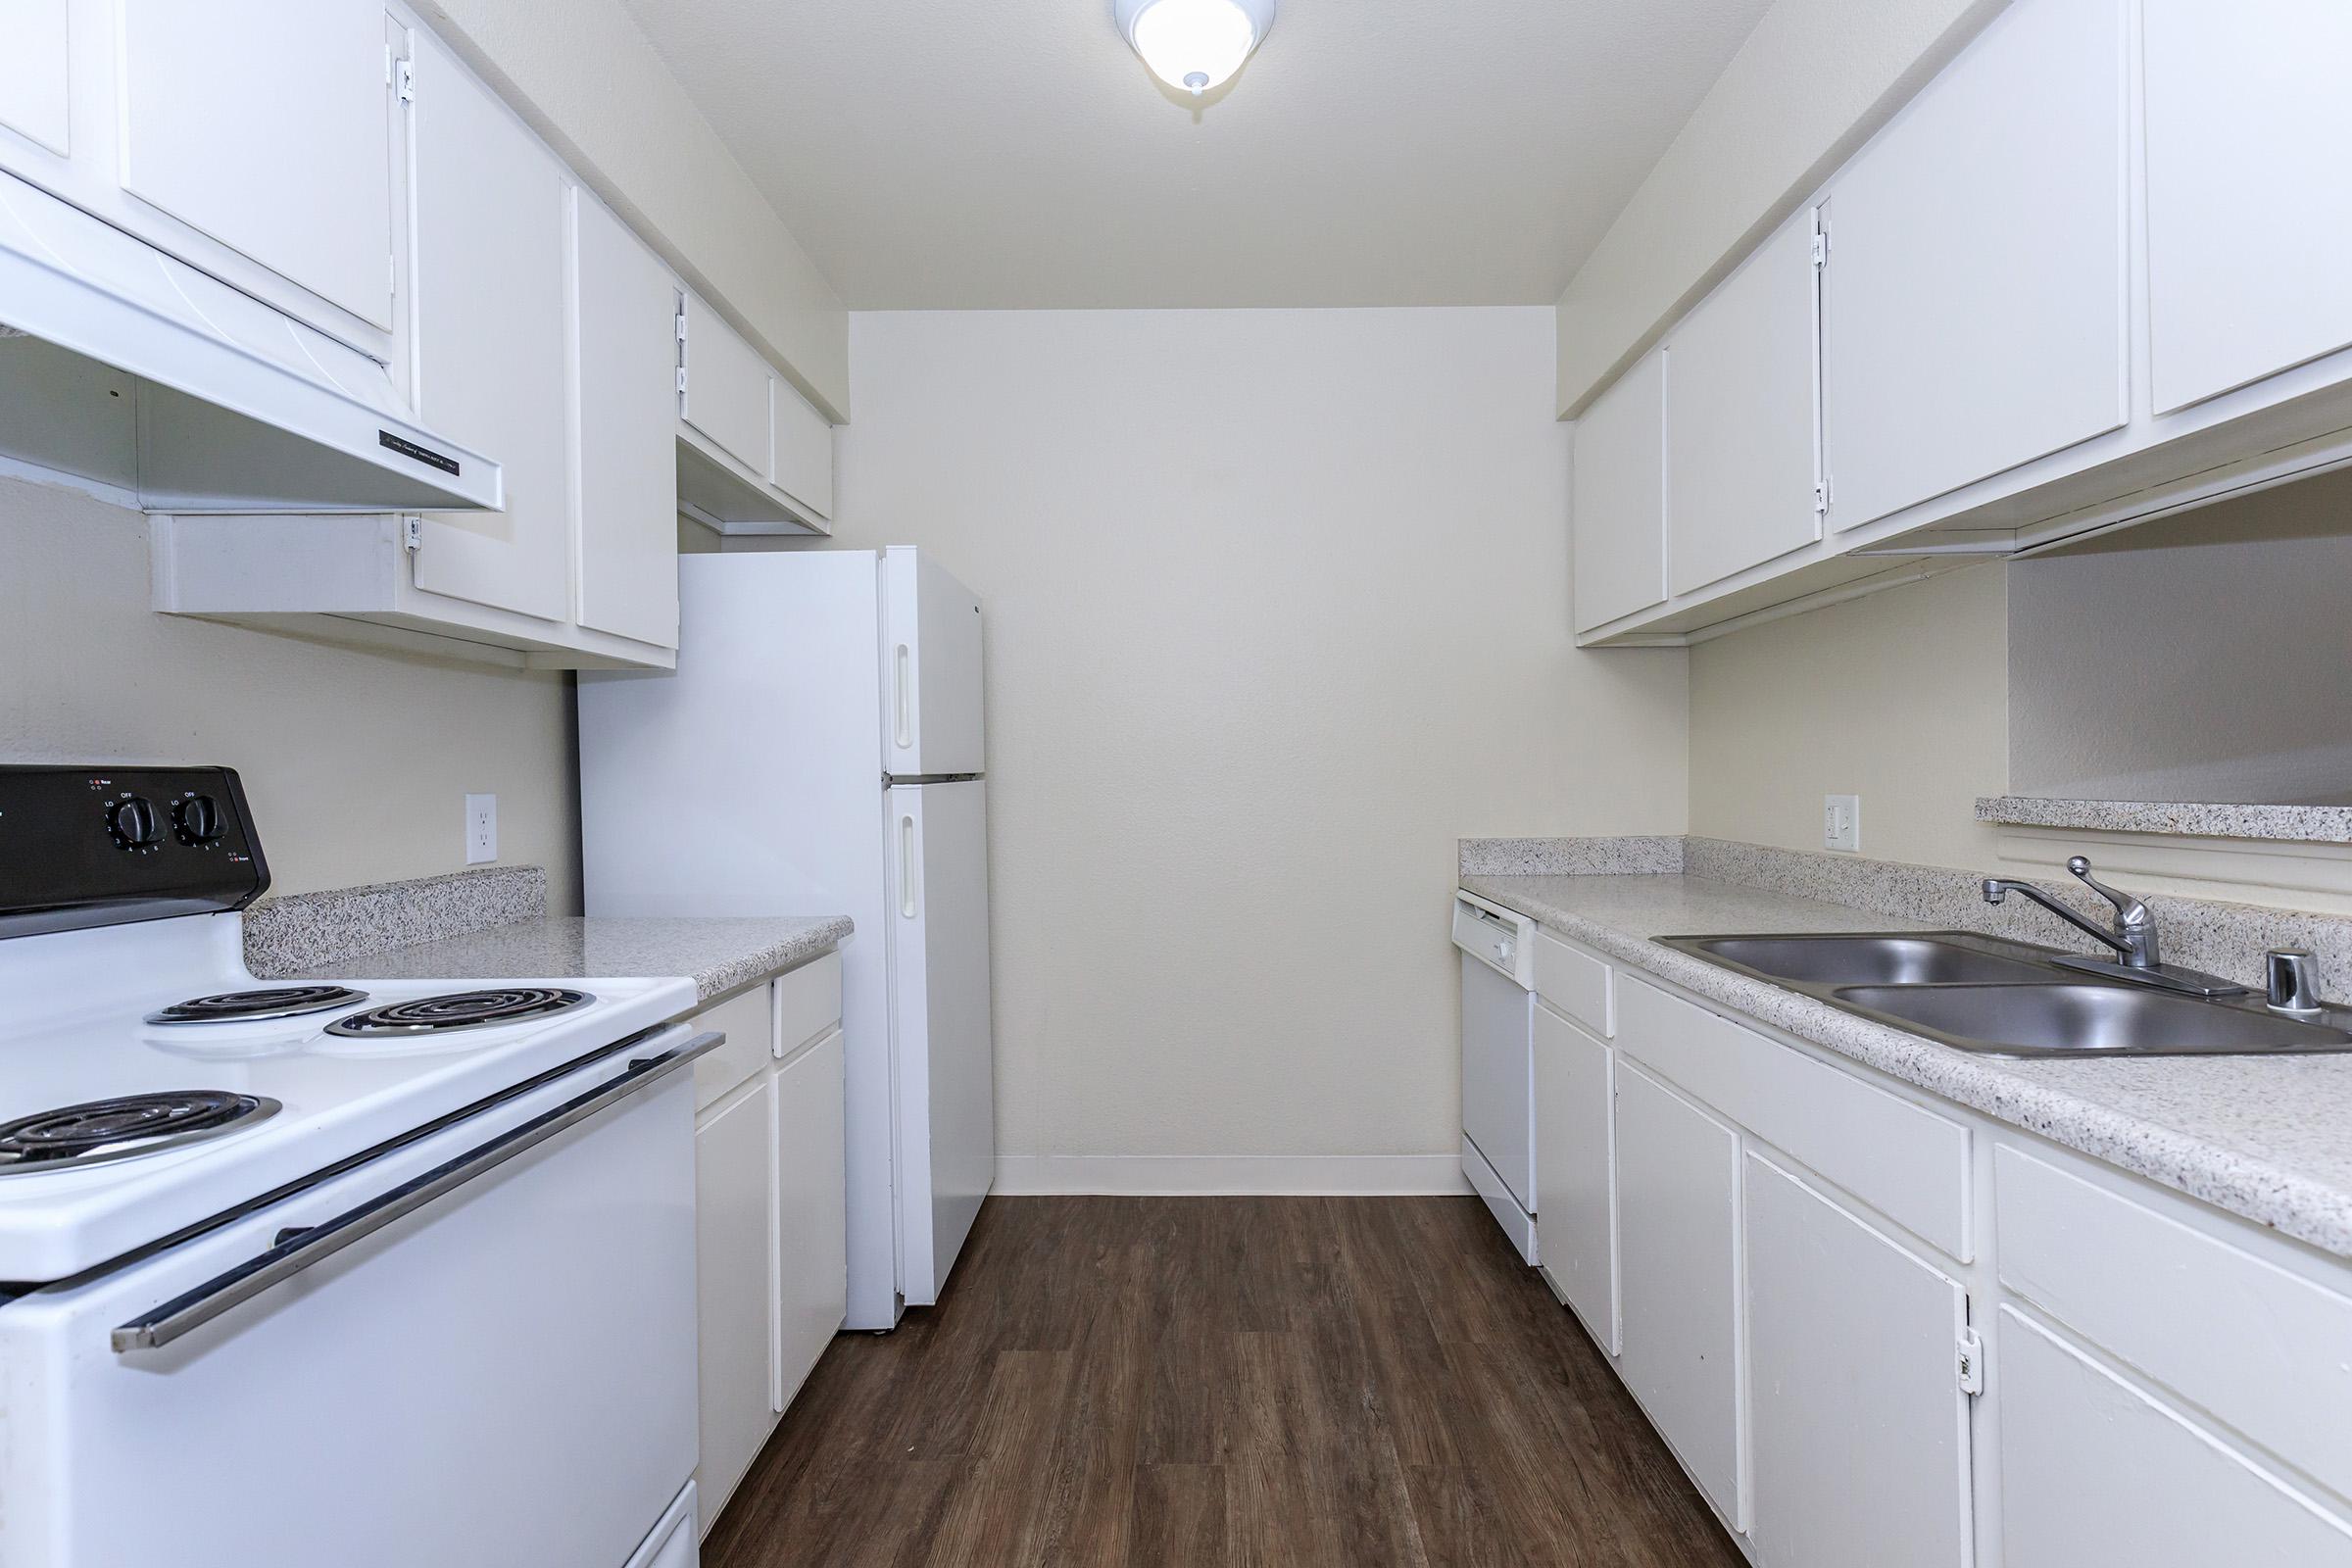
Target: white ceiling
[(936, 154)]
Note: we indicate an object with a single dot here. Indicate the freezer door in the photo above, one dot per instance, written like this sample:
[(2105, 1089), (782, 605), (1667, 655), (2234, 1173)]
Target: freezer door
[(940, 1026), (930, 670)]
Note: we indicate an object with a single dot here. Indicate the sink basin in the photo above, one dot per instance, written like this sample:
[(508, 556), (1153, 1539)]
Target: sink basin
[(2007, 999), (1874, 961), (2069, 1019)]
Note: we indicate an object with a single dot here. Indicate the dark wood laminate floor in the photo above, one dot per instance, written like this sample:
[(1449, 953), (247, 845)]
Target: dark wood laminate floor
[(1113, 1380)]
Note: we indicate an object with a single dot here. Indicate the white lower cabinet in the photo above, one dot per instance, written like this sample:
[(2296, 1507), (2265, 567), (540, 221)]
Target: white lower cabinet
[(812, 1279), (1883, 1330), (1576, 1208), (1678, 1205), (2097, 1473), (1860, 1428), (734, 1231), (770, 1218)]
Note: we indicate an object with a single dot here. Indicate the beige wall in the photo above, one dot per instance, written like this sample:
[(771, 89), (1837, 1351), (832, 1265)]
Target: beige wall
[(1901, 698), (1809, 86), (356, 763), (585, 75), (2201, 657), (1277, 608)]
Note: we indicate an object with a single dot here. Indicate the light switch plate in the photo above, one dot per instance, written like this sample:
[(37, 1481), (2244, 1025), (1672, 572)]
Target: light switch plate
[(1841, 822), (481, 830)]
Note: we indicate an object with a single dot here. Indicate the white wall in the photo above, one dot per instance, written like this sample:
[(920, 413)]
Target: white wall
[(2197, 659), (589, 81), (1277, 608), (356, 763), (1901, 698), (1810, 85)]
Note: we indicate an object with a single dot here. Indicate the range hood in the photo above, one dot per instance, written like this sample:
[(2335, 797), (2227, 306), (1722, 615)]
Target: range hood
[(121, 364)]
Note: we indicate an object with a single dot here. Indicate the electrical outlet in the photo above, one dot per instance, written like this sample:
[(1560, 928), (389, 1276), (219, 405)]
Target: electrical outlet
[(1841, 822), (481, 830)]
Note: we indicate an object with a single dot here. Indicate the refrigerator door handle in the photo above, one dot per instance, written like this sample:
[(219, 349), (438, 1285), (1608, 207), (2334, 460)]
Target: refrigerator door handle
[(907, 866), (906, 707)]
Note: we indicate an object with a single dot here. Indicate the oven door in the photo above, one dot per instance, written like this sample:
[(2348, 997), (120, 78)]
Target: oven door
[(476, 1352)]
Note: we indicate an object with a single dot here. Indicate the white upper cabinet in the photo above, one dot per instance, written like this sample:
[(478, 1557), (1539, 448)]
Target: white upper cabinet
[(801, 449), (1860, 1429), (263, 124), (1973, 304), (492, 219), (626, 347), (1617, 498), (35, 80), (726, 390), (2249, 212), (753, 457), (1741, 440)]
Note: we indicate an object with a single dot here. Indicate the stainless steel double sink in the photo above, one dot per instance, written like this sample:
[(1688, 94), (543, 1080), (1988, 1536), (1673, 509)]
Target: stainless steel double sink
[(2009, 999)]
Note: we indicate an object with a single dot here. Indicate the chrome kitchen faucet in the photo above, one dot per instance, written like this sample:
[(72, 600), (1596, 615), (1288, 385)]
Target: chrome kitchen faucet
[(2133, 937)]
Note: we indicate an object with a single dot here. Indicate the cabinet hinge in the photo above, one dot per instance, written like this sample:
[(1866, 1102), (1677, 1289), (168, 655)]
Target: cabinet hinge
[(411, 534), (1970, 1363), (681, 380), (404, 79), (681, 325), (1821, 245), (1821, 499)]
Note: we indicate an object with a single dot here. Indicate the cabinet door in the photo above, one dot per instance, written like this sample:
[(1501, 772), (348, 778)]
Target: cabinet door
[(2097, 1474), (1860, 1430), (1576, 1210), (2249, 215), (734, 1229), (624, 323), (811, 1213), (263, 125), (1677, 1202), (492, 217), (726, 389), (1617, 520), (34, 76), (802, 442), (1973, 304), (1741, 447)]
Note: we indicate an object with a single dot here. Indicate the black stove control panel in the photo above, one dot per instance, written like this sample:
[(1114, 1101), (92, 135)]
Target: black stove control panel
[(103, 844)]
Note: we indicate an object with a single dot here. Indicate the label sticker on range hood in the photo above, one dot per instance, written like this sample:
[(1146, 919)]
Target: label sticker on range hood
[(410, 449)]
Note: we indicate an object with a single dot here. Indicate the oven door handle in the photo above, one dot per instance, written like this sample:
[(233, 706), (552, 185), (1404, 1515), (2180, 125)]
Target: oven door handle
[(316, 1244)]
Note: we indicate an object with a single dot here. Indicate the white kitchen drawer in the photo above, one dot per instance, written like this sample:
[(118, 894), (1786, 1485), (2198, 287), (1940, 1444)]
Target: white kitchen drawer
[(2261, 1348), (749, 1023), (1901, 1158), (808, 1003), (1576, 983)]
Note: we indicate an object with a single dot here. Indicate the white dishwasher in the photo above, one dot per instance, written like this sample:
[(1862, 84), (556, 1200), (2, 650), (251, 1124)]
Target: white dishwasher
[(1499, 1063)]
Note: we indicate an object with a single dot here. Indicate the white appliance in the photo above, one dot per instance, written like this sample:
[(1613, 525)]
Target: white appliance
[(819, 751), (1499, 1063), (238, 406), (375, 1273)]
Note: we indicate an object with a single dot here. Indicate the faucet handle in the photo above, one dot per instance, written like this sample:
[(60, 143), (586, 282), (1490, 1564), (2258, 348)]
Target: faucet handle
[(2292, 980), (2129, 911)]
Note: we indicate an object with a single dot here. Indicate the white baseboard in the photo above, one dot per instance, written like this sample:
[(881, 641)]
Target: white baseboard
[(1181, 1175)]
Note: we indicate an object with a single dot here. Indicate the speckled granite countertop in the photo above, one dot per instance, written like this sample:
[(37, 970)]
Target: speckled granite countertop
[(2308, 825), (2269, 1139), (721, 956)]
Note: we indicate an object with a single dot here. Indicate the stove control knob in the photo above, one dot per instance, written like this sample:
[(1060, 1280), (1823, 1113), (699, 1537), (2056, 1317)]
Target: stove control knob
[(196, 821), (132, 821)]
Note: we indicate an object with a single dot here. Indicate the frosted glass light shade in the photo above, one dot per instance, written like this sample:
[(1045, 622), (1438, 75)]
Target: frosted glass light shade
[(1195, 44)]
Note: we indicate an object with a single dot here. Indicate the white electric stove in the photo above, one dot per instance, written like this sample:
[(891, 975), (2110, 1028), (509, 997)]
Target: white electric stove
[(366, 1272)]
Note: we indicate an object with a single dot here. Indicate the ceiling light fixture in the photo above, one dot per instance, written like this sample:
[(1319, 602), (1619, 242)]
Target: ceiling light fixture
[(1195, 44)]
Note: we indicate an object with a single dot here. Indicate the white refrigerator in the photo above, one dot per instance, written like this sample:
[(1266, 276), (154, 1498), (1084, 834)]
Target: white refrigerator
[(818, 750)]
